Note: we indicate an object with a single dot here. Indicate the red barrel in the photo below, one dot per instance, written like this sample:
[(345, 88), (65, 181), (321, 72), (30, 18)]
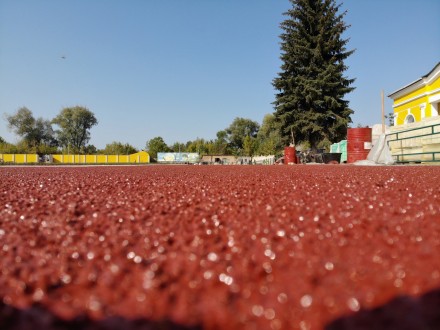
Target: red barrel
[(358, 143), (289, 155)]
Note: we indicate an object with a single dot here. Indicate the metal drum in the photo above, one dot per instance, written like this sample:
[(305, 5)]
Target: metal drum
[(358, 143), (289, 155)]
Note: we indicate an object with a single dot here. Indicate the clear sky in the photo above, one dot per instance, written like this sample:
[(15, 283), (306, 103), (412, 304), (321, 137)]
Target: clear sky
[(183, 69)]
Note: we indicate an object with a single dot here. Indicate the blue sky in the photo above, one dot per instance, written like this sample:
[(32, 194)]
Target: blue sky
[(183, 69)]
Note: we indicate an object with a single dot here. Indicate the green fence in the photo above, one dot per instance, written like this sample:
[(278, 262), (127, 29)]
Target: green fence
[(416, 145)]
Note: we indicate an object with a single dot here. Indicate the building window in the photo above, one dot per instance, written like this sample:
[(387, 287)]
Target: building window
[(409, 119), (434, 109)]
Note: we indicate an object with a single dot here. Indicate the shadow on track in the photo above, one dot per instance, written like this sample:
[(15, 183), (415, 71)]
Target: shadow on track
[(37, 317), (401, 313)]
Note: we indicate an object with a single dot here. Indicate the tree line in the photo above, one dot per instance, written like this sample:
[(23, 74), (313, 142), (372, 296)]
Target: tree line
[(243, 137), (69, 132), (309, 107)]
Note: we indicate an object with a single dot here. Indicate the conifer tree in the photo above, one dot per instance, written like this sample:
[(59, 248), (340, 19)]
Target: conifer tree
[(311, 86)]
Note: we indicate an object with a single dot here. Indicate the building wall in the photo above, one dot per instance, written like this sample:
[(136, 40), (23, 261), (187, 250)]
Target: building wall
[(418, 103), (238, 160), (414, 108), (422, 102), (211, 159)]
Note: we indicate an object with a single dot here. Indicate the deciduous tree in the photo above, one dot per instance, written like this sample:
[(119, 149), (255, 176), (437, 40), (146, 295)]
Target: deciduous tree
[(178, 147), (269, 138), (34, 132), (118, 148), (249, 146), (74, 127), (200, 146), (155, 145), (239, 130), (221, 146)]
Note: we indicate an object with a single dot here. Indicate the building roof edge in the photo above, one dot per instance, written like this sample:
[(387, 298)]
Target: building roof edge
[(437, 66)]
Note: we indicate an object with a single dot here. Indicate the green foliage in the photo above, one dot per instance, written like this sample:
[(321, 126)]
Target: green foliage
[(178, 147), (390, 118), (156, 145), (8, 148), (22, 122), (311, 85), (74, 127), (91, 150), (44, 149), (242, 137), (269, 146), (198, 145), (221, 146), (218, 146), (23, 147), (117, 148), (249, 146), (2, 140), (269, 138), (239, 130), (34, 132), (303, 146), (325, 144), (210, 147)]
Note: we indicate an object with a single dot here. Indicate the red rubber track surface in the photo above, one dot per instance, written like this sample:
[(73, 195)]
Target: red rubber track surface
[(220, 247)]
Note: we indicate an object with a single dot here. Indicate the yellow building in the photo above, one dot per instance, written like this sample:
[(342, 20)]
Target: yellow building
[(418, 100)]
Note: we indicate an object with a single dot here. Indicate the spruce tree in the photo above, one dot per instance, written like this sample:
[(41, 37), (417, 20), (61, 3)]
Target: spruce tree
[(309, 104)]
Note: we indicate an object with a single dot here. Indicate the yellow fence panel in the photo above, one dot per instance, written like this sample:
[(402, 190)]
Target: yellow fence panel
[(7, 158), (32, 158), (58, 158), (19, 158), (141, 157), (124, 159), (112, 159), (91, 159), (102, 159)]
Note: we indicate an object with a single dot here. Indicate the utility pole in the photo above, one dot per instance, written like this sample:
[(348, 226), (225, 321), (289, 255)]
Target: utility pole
[(383, 113)]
